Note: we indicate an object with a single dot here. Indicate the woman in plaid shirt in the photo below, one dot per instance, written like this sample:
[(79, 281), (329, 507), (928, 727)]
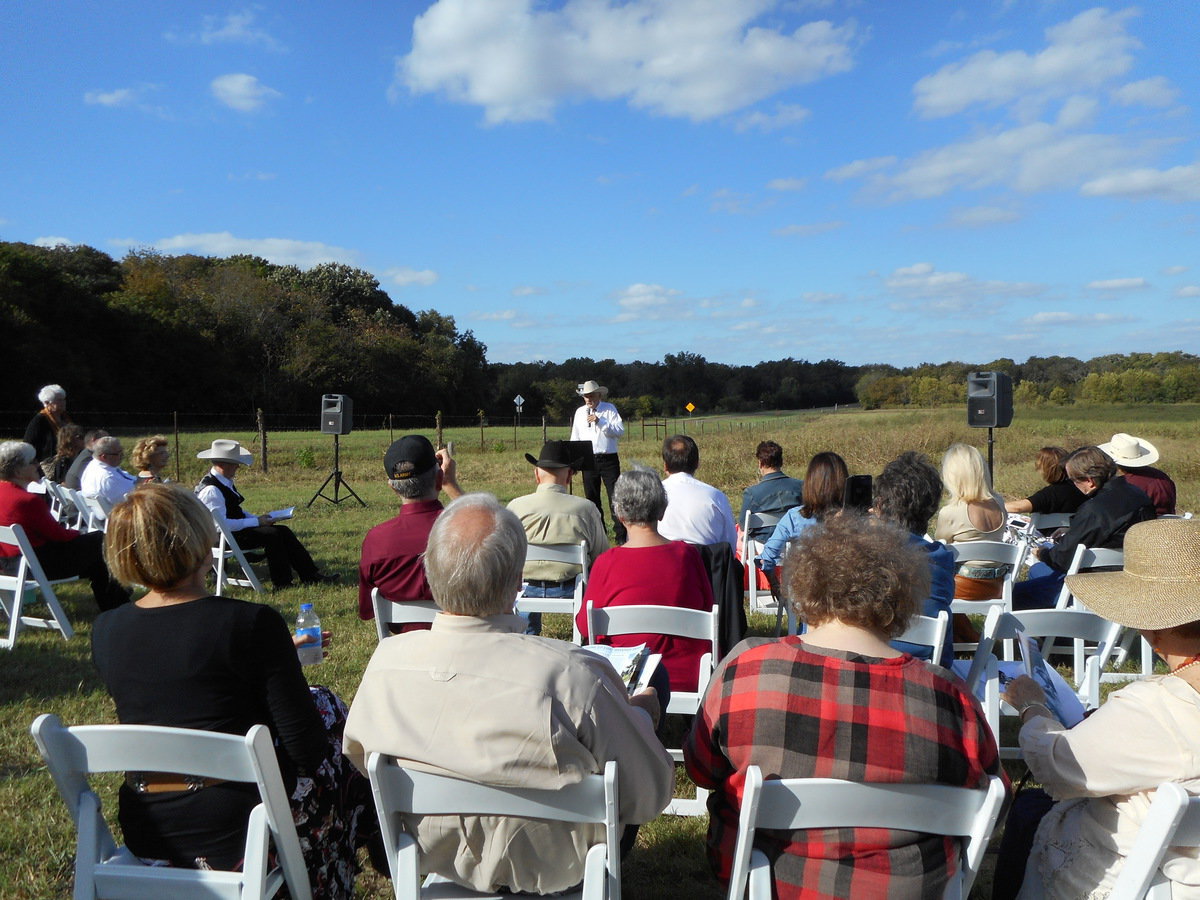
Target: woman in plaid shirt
[(839, 702)]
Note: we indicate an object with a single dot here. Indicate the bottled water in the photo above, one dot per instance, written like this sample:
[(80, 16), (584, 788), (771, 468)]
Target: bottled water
[(308, 623)]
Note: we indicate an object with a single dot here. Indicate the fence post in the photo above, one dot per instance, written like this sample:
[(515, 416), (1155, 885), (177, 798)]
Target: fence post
[(515, 417), (176, 417), (391, 433), (543, 428), (438, 426), (262, 440), (482, 446)]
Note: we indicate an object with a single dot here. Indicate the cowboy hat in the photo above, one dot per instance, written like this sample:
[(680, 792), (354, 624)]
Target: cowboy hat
[(224, 450), (592, 387), (554, 455), (1130, 452), (1160, 584)]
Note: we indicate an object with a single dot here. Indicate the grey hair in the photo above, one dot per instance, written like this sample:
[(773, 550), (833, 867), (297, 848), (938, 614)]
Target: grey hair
[(14, 455), (418, 486), (475, 556), (106, 444), (52, 392), (639, 497)]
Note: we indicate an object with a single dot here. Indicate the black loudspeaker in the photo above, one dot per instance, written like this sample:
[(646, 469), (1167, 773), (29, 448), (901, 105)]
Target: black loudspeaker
[(337, 414), (989, 400)]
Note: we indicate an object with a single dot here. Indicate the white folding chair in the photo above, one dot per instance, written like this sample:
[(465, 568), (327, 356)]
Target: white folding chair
[(60, 506), (751, 548), (1088, 558), (227, 550), (799, 803), (389, 612), (30, 576), (929, 631), (998, 553), (102, 869), (1172, 821), (570, 554), (1078, 625), (87, 520), (675, 622), (404, 792), (99, 510)]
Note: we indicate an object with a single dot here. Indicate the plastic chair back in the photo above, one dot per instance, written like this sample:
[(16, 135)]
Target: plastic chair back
[(227, 550), (1172, 821), (29, 577), (389, 612)]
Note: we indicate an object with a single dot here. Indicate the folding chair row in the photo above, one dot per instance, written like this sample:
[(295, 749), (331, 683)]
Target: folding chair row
[(751, 549)]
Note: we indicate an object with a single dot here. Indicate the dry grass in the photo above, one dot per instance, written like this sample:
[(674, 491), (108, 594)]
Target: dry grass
[(46, 674)]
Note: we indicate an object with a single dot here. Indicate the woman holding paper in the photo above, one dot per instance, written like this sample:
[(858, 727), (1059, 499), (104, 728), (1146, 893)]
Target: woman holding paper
[(1103, 771), (649, 570)]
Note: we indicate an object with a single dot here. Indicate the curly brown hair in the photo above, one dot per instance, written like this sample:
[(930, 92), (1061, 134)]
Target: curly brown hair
[(144, 450), (859, 570)]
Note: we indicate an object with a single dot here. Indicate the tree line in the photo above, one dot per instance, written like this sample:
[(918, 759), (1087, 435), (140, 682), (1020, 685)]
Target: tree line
[(204, 334)]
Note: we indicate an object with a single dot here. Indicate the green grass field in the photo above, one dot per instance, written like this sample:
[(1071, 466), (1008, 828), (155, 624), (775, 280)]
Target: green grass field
[(46, 674)]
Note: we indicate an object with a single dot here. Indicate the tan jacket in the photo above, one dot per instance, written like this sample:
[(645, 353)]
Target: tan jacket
[(474, 698), (552, 516)]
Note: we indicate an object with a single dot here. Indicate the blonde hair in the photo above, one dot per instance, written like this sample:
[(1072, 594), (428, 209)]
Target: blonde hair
[(158, 535), (965, 474), (146, 448)]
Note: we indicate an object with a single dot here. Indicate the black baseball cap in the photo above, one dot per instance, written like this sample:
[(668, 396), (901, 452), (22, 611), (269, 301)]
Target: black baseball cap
[(412, 449)]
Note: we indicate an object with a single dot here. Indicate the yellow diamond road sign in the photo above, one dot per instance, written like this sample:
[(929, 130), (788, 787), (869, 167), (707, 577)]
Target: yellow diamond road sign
[(690, 407)]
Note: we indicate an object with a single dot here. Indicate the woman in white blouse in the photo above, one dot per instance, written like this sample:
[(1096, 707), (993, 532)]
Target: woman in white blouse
[(1104, 771)]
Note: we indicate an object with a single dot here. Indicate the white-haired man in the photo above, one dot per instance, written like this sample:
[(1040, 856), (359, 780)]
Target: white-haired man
[(476, 698), (104, 477), (599, 423)]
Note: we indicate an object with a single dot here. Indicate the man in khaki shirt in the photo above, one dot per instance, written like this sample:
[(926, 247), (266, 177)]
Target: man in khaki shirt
[(475, 698), (550, 515)]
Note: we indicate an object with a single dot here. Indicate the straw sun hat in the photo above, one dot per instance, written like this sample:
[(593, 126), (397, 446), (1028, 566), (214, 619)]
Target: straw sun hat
[(1160, 584)]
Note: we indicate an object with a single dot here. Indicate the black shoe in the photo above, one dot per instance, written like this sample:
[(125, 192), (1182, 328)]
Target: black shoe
[(322, 578)]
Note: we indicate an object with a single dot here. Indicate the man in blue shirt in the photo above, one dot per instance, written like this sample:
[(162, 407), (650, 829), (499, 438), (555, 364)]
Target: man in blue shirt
[(775, 492)]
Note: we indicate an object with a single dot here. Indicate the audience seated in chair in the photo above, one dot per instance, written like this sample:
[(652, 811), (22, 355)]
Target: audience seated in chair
[(1135, 458), (477, 699), (775, 493), (284, 551), (697, 512), (1059, 495), (1104, 771), (104, 478), (393, 551), (840, 702)]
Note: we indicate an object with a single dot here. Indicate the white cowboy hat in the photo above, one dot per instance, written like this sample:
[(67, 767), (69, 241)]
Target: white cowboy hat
[(592, 387), (223, 450), (1130, 452)]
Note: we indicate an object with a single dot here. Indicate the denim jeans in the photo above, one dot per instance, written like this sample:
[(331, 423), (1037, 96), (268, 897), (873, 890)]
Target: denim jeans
[(534, 620)]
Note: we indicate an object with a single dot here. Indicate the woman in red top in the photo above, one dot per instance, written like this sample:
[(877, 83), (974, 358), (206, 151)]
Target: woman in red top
[(63, 552), (649, 570)]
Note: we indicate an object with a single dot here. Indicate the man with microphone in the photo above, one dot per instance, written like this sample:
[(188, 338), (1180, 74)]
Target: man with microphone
[(599, 423)]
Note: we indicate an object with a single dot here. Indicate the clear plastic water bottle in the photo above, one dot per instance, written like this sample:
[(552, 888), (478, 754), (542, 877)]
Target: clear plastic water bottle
[(308, 623)]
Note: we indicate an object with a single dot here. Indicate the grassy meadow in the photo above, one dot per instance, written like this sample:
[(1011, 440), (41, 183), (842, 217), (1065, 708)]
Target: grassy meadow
[(46, 674)]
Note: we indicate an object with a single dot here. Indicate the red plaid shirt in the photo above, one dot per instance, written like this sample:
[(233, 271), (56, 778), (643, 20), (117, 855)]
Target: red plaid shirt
[(801, 713)]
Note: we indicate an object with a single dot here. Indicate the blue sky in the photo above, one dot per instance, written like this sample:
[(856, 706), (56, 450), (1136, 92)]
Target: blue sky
[(870, 181)]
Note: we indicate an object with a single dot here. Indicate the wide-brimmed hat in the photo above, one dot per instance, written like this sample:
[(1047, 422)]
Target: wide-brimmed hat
[(592, 387), (410, 456), (223, 450), (1130, 452), (554, 455), (1160, 584)]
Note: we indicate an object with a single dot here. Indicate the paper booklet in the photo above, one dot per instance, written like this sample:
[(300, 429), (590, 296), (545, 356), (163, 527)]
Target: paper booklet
[(634, 664), (285, 513)]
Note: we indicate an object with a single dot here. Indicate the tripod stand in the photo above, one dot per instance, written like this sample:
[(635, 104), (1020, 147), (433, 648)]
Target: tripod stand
[(338, 481)]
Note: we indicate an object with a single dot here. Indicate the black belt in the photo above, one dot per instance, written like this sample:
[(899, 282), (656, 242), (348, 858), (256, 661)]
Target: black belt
[(534, 582), (598, 455)]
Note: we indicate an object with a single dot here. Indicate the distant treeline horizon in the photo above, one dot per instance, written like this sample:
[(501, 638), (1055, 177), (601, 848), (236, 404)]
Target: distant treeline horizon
[(211, 335)]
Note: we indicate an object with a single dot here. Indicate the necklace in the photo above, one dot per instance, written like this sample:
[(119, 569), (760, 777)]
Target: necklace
[(1195, 660)]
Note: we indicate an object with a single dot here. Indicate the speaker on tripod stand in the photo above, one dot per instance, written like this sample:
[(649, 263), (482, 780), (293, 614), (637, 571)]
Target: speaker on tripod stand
[(337, 418), (989, 405)]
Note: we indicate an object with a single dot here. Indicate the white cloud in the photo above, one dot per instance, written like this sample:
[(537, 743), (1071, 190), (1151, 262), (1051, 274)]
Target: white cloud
[(1118, 284), (823, 297), (983, 216), (252, 176), (952, 290), (403, 276), (242, 92), (732, 202), (500, 315), (697, 59), (235, 28), (1188, 290), (649, 301), (784, 115), (527, 290), (787, 184), (1066, 318), (1178, 184), (1174, 270), (1082, 54), (119, 97), (1154, 92), (53, 241), (807, 230), (282, 251), (860, 167)]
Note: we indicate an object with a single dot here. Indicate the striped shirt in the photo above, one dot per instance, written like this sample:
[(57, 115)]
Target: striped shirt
[(797, 712)]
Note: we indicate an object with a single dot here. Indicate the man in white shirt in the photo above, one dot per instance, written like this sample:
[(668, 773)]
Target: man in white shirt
[(104, 477), (696, 512), (283, 549), (599, 423)]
